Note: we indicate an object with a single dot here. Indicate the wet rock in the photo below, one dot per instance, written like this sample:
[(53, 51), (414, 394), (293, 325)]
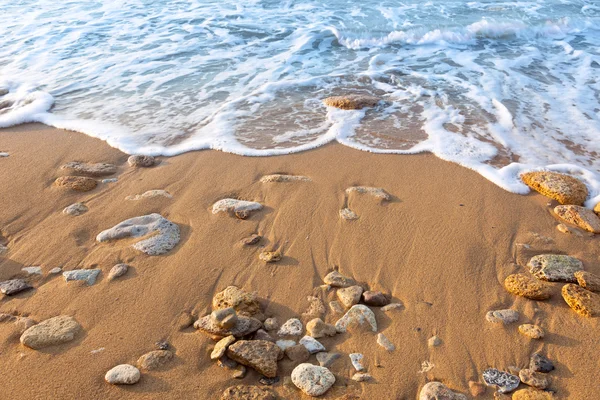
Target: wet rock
[(123, 374), (356, 359), (140, 161), (361, 377), (241, 208), (438, 391), (336, 307), (76, 183), (243, 302), (163, 234), (348, 214), (351, 102), (534, 379), (349, 296), (224, 318), (32, 270), (318, 329), (14, 286), (75, 209), (554, 267), (221, 347), (335, 279), (327, 359), (434, 341), (531, 331), (504, 381), (540, 363), (154, 359), (476, 389), (378, 193), (150, 194), (285, 344), (271, 324), (312, 345), (563, 188), (243, 327), (89, 169), (358, 315), (278, 178), (532, 394), (251, 240), (260, 355), (523, 285), (312, 380), (582, 217), (117, 271), (384, 342), (263, 335), (392, 307), (582, 301), (588, 281), (298, 353), (292, 327), (375, 298), (53, 331), (244, 392), (502, 316), (270, 256), (89, 276)]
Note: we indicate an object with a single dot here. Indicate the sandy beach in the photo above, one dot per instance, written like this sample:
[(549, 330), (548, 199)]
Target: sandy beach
[(442, 246)]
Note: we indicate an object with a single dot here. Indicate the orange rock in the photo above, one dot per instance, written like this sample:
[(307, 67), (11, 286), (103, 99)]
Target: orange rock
[(351, 102), (563, 188), (580, 216), (525, 286), (77, 183), (588, 280), (532, 394), (582, 301)]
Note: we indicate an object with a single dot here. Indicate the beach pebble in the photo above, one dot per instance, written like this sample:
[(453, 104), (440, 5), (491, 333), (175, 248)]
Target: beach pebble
[(563, 188), (582, 301), (392, 306), (532, 394), (318, 329), (298, 353), (87, 275), (349, 296), (123, 374), (117, 271), (531, 331), (327, 359), (356, 359), (335, 279), (540, 363), (384, 342), (226, 362), (525, 286), (76, 183), (579, 216), (504, 381), (271, 324), (358, 315), (55, 271), (109, 180), (270, 256), (554, 267), (154, 359), (142, 161), (244, 303), (21, 323), (348, 214), (4, 154), (438, 391), (378, 193), (221, 347), (75, 209), (502, 316), (434, 341), (244, 326), (312, 380), (251, 240), (477, 389), (3, 249), (534, 379), (164, 234), (89, 169), (278, 178), (588, 281), (14, 286), (161, 344), (32, 270), (285, 344), (312, 345), (50, 332), (291, 327), (260, 355), (375, 298), (351, 101), (149, 195), (243, 392), (566, 229), (241, 208), (361, 377)]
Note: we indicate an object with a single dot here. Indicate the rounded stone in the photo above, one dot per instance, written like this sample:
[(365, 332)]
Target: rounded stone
[(349, 296), (375, 298), (123, 374), (582, 301), (76, 183), (313, 380), (563, 188), (141, 161), (530, 288), (505, 317), (438, 391), (351, 102), (75, 209), (534, 379), (53, 331), (588, 281), (318, 329), (531, 331), (117, 271)]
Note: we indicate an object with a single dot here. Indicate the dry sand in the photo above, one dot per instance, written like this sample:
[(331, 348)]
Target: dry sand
[(442, 246)]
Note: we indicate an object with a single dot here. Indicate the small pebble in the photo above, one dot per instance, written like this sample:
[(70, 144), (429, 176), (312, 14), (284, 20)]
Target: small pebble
[(384, 342), (123, 374), (356, 359), (540, 363), (531, 331), (361, 377), (434, 341), (117, 271), (392, 306), (32, 270)]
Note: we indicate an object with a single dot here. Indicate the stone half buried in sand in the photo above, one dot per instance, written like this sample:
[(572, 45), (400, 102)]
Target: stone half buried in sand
[(76, 183), (53, 331), (504, 317), (279, 178), (378, 193), (525, 286), (260, 355), (164, 233), (582, 217), (358, 315), (246, 392), (439, 391), (240, 208), (140, 161), (348, 214), (75, 209), (563, 188), (89, 169), (554, 267), (150, 194), (351, 102), (89, 276), (504, 381), (582, 301), (243, 326)]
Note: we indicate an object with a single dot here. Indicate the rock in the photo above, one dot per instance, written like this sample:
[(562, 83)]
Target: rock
[(142, 161), (251, 240), (55, 270), (3, 153), (243, 392), (260, 355), (335, 279), (438, 391), (534, 379), (434, 341), (53, 331), (292, 327), (375, 299), (263, 335), (582, 301), (123, 374), (89, 169), (349, 296), (348, 214), (225, 318), (87, 275), (14, 286), (271, 324), (523, 285), (75, 209), (239, 372), (392, 306), (110, 180), (384, 342), (336, 307), (32, 270), (555, 267), (285, 344), (221, 347), (504, 381), (76, 183), (539, 363), (563, 188), (358, 315), (588, 281), (270, 256), (582, 217), (117, 271), (244, 303), (378, 193), (226, 362), (361, 377), (316, 308), (531, 331), (284, 178), (312, 345), (154, 359), (356, 359), (21, 323), (3, 249), (163, 234), (532, 394), (243, 327), (240, 208), (318, 329), (477, 389), (149, 195), (162, 344), (351, 102), (502, 316), (298, 353), (312, 380), (327, 359), (566, 229)]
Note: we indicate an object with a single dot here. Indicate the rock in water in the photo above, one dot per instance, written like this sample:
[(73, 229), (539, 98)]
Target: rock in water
[(75, 209), (555, 267), (582, 301), (243, 392), (244, 303), (335, 279), (117, 271), (358, 315), (149, 195), (165, 234), (349, 296), (87, 275), (532, 394), (258, 354), (540, 363), (284, 178), (154, 359), (14, 286), (563, 188), (292, 327), (582, 217), (504, 381), (588, 281), (378, 193), (241, 208), (502, 316), (523, 285), (142, 161), (53, 331), (531, 331), (123, 374), (89, 169), (312, 380), (438, 391), (351, 102), (243, 326), (76, 183)]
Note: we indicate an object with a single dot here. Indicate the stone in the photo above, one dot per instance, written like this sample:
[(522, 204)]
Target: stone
[(3, 153), (3, 249), (271, 324), (579, 216), (239, 372), (348, 214), (312, 380), (392, 306), (263, 335), (351, 102), (540, 363), (75, 209), (292, 327), (361, 377), (55, 271), (270, 256), (563, 188), (260, 355), (434, 341), (268, 381), (318, 329), (375, 298), (76, 183), (234, 206), (285, 344), (476, 389), (327, 359), (279, 178), (154, 359), (378, 193), (358, 315), (534, 379), (349, 296), (566, 229), (384, 342), (21, 323), (14, 286), (336, 307), (502, 316), (123, 374), (89, 276), (243, 327), (312, 345), (32, 270), (251, 240), (163, 235), (582, 301), (532, 394), (150, 194), (531, 331), (117, 271), (243, 392), (438, 391), (554, 267), (335, 279), (225, 318), (89, 169), (316, 308), (504, 381), (226, 362), (142, 161), (51, 332), (356, 359), (298, 353), (588, 281), (162, 344), (221, 347), (243, 302), (530, 288), (110, 180)]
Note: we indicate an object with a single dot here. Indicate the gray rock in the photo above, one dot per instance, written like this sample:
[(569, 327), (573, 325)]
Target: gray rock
[(89, 169), (123, 374), (378, 193), (335, 279), (87, 275), (502, 316), (348, 214), (312, 380), (439, 391), (53, 331), (280, 178), (356, 359), (312, 345), (32, 270), (3, 249), (142, 161), (271, 324), (384, 342), (14, 286), (55, 271), (75, 209), (292, 327), (540, 363), (224, 318), (361, 377), (555, 267), (392, 307), (358, 315), (504, 381), (285, 344), (243, 327), (434, 341), (110, 180), (117, 271), (327, 359), (149, 195), (349, 296)]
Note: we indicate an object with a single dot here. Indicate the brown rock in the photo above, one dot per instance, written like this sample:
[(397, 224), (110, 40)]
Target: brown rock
[(77, 183), (142, 161), (582, 217), (563, 188), (531, 331), (89, 169), (243, 302), (53, 331), (154, 359), (258, 354), (523, 285), (534, 379), (582, 301), (476, 388), (588, 281), (244, 326), (351, 102), (297, 353), (243, 392), (318, 329), (532, 394), (251, 240), (375, 299), (349, 296)]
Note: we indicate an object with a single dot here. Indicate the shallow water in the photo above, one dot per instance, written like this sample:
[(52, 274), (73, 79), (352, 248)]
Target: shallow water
[(497, 86)]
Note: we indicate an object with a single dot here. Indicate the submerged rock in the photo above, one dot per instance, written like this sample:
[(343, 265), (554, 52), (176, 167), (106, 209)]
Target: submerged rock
[(351, 102), (87, 275), (378, 193), (142, 161), (502, 316), (245, 392), (504, 381), (312, 380), (14, 286), (154, 359), (75, 209), (260, 355), (582, 217), (123, 374), (244, 326), (76, 183), (523, 285), (244, 303), (582, 301), (555, 267), (149, 195), (358, 315), (50, 332), (563, 188), (284, 178), (241, 208), (588, 281), (89, 169), (438, 391)]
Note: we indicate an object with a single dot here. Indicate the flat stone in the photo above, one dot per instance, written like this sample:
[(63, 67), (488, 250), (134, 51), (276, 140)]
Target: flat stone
[(375, 298), (335, 279), (312, 380), (89, 276), (271, 324), (362, 377), (358, 315), (270, 256), (579, 216), (554, 267), (154, 359), (563, 188), (244, 392), (351, 101), (150, 194), (588, 281), (251, 240), (438, 391), (123, 374), (327, 359), (32, 270), (14, 286), (75, 209), (298, 353), (292, 327), (221, 347), (142, 161), (89, 169), (534, 379), (384, 342), (244, 303), (532, 394), (349, 296), (582, 301), (312, 345), (434, 341), (567, 229), (260, 355), (477, 389), (280, 178), (76, 183), (378, 193), (55, 271), (50, 332), (540, 363), (240, 208), (504, 381), (318, 329), (504, 317), (117, 271), (285, 344), (243, 327), (109, 180), (525, 286), (348, 214), (531, 331), (356, 359), (392, 307), (163, 235)]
